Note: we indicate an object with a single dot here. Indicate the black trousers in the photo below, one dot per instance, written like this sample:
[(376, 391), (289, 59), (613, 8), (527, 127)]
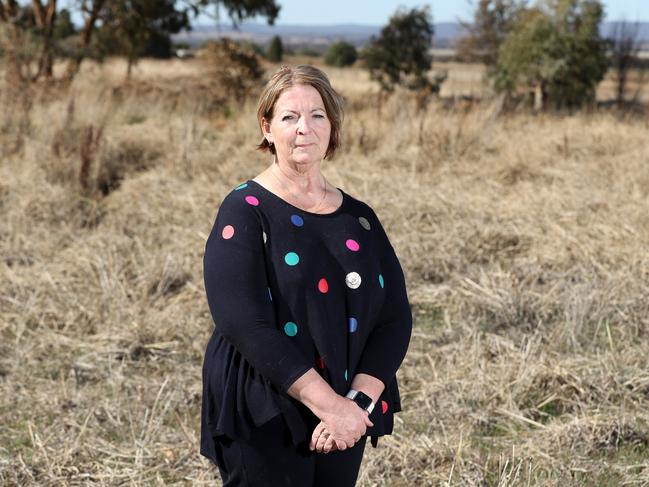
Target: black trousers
[(269, 459)]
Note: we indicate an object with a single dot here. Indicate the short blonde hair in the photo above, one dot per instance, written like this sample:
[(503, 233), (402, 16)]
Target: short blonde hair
[(304, 74)]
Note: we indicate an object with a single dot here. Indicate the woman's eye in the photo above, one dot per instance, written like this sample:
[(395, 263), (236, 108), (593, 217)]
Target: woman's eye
[(319, 115), (287, 117)]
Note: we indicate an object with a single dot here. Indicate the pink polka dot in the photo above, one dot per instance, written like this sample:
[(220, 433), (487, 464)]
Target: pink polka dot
[(228, 232), (323, 286), (352, 245), (251, 200), (384, 407)]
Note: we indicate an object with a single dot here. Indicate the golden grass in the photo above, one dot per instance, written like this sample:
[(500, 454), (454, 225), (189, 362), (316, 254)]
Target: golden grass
[(523, 239)]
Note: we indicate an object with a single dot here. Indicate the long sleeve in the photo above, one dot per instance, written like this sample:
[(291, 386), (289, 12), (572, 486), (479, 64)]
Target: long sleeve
[(388, 342), (239, 298)]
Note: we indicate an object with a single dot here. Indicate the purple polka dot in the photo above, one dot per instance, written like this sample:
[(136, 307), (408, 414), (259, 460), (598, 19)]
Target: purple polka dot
[(251, 200), (353, 324), (297, 220)]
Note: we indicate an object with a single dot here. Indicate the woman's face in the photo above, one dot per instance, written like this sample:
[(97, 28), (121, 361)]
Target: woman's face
[(299, 128)]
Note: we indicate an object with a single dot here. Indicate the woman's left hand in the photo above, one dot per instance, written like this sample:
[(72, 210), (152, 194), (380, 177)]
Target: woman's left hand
[(323, 442)]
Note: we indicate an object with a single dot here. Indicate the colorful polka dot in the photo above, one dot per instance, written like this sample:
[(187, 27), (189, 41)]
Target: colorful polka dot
[(353, 280), (384, 407), (381, 281), (241, 186), (346, 378), (320, 363), (228, 232), (251, 200), (291, 258), (264, 236), (270, 295), (297, 220), (290, 328), (353, 324), (364, 223), (352, 245), (323, 286)]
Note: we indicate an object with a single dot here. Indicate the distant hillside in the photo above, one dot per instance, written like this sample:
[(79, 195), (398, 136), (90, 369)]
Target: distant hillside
[(446, 33)]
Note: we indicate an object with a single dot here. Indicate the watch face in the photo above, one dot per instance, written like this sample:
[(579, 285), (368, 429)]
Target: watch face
[(363, 400)]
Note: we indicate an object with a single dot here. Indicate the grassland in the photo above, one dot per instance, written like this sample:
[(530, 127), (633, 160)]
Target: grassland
[(523, 238)]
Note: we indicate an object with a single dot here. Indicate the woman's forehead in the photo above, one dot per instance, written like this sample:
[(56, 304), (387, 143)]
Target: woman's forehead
[(299, 96)]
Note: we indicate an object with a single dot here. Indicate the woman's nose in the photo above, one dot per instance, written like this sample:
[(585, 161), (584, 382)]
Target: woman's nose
[(302, 126)]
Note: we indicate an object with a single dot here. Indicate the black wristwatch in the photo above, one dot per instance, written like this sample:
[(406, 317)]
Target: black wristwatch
[(364, 401)]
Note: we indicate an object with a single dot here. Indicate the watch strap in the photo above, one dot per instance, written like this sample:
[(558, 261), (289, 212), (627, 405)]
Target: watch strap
[(363, 400)]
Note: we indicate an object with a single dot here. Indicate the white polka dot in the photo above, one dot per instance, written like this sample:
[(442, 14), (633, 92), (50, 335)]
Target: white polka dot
[(353, 280)]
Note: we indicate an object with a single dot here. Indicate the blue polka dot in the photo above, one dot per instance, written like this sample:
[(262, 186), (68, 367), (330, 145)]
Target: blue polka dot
[(353, 324), (346, 375), (291, 258), (241, 186), (297, 220), (381, 281), (270, 295), (290, 328)]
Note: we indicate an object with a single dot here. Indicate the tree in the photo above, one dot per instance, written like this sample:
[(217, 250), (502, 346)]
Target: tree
[(625, 45), (275, 51), (341, 54), (492, 21), (139, 23), (132, 25), (25, 24), (400, 54), (556, 51), (63, 26)]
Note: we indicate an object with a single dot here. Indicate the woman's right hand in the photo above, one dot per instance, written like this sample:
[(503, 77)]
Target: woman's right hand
[(345, 423)]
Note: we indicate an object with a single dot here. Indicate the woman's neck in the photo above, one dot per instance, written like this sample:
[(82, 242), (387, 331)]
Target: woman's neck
[(302, 178)]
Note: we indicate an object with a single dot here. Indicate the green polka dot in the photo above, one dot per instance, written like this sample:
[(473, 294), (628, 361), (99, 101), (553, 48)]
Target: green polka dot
[(381, 281), (291, 258), (241, 186), (346, 375), (290, 328)]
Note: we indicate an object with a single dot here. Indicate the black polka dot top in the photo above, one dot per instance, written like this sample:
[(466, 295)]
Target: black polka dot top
[(291, 290)]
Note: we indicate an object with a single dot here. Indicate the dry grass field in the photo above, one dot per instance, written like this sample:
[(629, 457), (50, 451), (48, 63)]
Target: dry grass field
[(524, 241)]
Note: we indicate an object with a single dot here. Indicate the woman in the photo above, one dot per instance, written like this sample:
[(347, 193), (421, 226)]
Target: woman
[(310, 308)]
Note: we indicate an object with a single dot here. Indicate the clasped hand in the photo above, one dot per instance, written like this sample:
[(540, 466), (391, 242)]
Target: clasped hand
[(341, 429)]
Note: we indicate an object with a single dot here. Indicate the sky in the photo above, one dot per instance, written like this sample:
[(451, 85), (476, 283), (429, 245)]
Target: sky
[(377, 12)]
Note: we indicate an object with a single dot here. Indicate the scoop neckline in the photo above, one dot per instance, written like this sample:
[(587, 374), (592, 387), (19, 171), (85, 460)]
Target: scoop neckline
[(333, 213)]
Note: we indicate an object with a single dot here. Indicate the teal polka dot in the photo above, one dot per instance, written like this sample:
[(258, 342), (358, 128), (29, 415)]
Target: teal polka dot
[(381, 281), (346, 375), (291, 258), (290, 328), (241, 186)]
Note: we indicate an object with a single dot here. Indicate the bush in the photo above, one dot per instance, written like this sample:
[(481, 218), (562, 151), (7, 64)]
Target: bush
[(341, 54)]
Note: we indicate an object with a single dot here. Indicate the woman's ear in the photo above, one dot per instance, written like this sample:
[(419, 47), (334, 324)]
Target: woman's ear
[(265, 128)]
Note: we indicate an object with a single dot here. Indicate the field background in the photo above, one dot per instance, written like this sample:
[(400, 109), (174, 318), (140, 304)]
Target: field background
[(523, 238)]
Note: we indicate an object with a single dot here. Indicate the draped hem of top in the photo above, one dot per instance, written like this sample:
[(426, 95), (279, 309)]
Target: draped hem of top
[(237, 399)]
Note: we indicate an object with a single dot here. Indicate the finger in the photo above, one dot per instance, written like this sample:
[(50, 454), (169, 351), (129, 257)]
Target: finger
[(322, 439), (329, 445), (316, 434), (341, 445)]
